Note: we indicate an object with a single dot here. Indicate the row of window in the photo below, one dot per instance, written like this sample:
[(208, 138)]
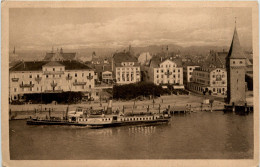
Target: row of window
[(240, 62), (54, 69), (168, 81), (168, 76), (123, 69), (128, 63), (167, 65), (168, 70), (47, 76), (223, 82), (56, 88)]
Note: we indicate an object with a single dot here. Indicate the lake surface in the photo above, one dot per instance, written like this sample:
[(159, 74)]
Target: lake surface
[(201, 135)]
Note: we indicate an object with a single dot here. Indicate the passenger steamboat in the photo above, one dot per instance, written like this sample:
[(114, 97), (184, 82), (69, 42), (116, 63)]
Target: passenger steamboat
[(82, 117)]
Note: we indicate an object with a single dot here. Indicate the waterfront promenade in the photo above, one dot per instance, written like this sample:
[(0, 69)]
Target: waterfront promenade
[(175, 102)]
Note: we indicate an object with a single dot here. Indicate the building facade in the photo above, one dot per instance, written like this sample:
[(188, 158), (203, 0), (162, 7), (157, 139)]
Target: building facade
[(50, 77), (126, 68), (164, 71), (209, 80), (187, 73), (236, 67)]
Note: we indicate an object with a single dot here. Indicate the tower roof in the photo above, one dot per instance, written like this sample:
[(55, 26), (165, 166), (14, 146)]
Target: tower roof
[(235, 50)]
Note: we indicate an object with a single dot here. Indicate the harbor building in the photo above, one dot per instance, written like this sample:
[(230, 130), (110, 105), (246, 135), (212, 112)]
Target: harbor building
[(210, 80), (50, 77), (165, 71), (126, 68), (236, 68)]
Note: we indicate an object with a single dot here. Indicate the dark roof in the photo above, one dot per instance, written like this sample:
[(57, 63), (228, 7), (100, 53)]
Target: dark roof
[(99, 68), (216, 59), (28, 66), (37, 65), (53, 63), (124, 57), (235, 51), (74, 65)]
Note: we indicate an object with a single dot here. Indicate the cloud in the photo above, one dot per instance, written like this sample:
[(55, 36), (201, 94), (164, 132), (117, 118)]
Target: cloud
[(137, 29)]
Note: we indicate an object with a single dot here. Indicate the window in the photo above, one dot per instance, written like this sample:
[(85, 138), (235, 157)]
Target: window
[(157, 71), (161, 70), (234, 62), (76, 75), (162, 76), (60, 76), (82, 74), (241, 62), (89, 86), (157, 76), (30, 76), (53, 69), (14, 89), (190, 68)]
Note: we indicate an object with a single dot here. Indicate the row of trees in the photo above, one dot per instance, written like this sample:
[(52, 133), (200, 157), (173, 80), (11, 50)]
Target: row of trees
[(132, 91), (45, 98)]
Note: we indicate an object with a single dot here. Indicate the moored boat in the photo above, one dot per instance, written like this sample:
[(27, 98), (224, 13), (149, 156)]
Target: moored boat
[(83, 118)]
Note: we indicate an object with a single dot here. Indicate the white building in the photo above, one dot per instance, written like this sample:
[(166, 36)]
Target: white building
[(49, 77), (126, 68), (187, 73), (165, 71), (209, 79)]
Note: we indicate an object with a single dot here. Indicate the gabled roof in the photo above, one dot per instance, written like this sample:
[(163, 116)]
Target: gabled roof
[(235, 51), (124, 57), (53, 63), (65, 56), (156, 61)]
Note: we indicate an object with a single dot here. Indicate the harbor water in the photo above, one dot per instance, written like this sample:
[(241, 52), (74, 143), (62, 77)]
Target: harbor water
[(201, 135)]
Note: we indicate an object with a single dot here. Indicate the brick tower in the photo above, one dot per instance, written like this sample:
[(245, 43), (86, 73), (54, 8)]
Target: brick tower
[(236, 65)]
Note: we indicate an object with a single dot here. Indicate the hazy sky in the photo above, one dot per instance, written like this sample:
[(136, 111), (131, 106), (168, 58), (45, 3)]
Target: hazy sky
[(117, 27)]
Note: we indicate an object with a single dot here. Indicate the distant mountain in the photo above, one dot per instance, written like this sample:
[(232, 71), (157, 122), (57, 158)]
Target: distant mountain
[(86, 53)]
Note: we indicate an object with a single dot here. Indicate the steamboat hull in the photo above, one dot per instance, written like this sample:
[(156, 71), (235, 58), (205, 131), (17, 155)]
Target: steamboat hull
[(47, 122), (113, 124)]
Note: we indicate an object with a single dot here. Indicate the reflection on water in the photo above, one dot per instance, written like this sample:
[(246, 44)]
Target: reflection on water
[(197, 135), (144, 130)]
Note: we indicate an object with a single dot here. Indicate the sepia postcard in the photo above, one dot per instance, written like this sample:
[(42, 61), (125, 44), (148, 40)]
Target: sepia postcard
[(128, 83)]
